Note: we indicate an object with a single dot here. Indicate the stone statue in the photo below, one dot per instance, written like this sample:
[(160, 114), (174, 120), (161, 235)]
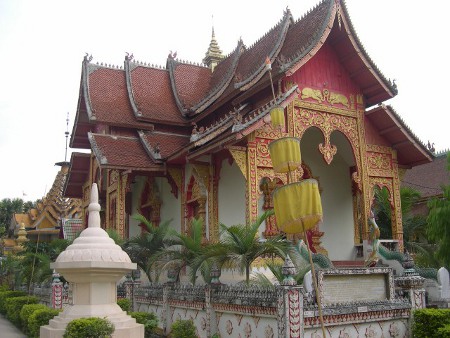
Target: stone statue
[(374, 239)]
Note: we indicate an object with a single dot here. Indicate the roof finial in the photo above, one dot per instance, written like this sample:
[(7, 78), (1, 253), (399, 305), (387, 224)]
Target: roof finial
[(67, 135), (214, 54)]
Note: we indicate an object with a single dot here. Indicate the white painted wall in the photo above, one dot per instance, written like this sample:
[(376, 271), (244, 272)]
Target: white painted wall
[(170, 206), (136, 189), (335, 182), (231, 195)]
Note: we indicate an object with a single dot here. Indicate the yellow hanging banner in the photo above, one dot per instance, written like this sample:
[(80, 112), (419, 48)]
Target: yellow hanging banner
[(285, 154), (297, 206)]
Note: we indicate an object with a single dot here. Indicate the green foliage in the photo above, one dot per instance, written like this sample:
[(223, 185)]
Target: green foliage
[(7, 208), (26, 312), (148, 319), (39, 318), (428, 321), (125, 304), (40, 256), (183, 329), (240, 246), (14, 305), (439, 222), (444, 331), (89, 328), (8, 294), (184, 250), (144, 249)]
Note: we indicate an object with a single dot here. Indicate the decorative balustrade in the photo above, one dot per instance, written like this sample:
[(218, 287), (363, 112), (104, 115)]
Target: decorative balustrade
[(182, 292), (245, 295), (149, 293)]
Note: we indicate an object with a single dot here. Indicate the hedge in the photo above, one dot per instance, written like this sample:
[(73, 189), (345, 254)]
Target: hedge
[(39, 318), (92, 327), (8, 294), (427, 322), (13, 306), (183, 329), (125, 304), (149, 320), (444, 331), (26, 312)]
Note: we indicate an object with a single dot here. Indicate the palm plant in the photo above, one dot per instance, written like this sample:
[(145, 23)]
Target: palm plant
[(240, 246), (184, 251), (144, 249)]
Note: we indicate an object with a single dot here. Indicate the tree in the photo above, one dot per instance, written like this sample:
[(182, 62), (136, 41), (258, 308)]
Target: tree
[(144, 249), (36, 259), (439, 222), (240, 246), (8, 207)]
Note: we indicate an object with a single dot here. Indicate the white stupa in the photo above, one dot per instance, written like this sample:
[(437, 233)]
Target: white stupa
[(93, 264)]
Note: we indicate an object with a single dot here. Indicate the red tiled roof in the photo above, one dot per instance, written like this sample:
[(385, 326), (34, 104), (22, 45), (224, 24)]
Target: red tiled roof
[(304, 33), (190, 83), (121, 152), (410, 150), (108, 96), (428, 178), (252, 60), (153, 95), (167, 143)]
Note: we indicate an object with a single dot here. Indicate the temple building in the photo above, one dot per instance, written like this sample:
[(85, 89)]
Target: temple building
[(46, 221), (191, 140)]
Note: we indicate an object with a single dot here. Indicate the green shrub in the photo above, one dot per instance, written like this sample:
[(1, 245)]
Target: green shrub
[(89, 328), (13, 306), (26, 312), (8, 294), (39, 318), (125, 304), (444, 331), (183, 329), (148, 319), (428, 321)]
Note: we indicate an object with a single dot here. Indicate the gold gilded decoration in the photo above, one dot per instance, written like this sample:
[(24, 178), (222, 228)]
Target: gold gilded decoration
[(328, 123), (336, 98), (379, 149), (252, 185), (324, 108), (325, 95), (314, 94), (357, 179), (328, 151), (379, 161), (262, 153), (360, 99), (121, 209), (352, 102), (201, 174), (177, 176), (239, 155)]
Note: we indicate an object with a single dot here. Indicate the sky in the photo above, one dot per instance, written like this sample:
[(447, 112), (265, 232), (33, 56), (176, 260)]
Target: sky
[(42, 44)]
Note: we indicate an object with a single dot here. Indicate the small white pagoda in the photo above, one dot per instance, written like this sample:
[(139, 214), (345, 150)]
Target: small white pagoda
[(94, 264)]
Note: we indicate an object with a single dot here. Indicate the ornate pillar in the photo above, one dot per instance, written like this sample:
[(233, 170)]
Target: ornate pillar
[(252, 184)]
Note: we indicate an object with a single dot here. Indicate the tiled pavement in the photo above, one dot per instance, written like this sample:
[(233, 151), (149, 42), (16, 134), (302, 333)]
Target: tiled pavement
[(8, 330)]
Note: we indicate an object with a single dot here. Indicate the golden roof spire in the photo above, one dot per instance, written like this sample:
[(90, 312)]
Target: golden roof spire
[(214, 54)]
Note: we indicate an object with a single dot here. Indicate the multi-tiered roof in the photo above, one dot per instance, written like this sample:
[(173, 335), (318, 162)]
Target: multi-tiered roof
[(141, 116)]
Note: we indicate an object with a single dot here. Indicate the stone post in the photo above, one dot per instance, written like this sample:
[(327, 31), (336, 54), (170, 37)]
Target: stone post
[(57, 291), (289, 304), (165, 314)]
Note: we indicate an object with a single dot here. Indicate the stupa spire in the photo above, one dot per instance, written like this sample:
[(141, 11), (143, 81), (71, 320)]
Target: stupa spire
[(214, 54)]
